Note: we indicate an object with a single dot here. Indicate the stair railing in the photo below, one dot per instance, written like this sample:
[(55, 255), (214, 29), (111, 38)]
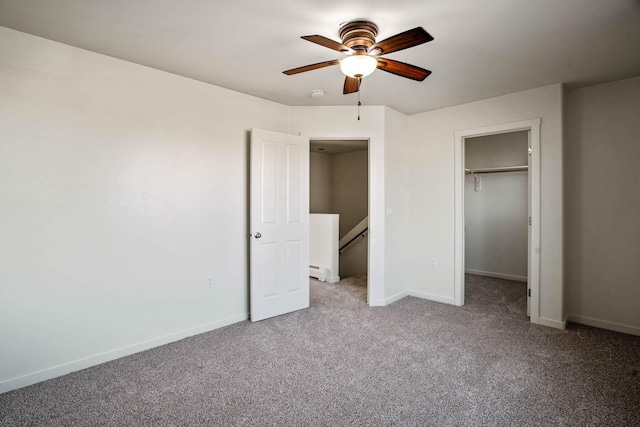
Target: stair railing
[(358, 231)]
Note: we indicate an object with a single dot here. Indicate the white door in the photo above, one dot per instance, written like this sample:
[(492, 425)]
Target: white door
[(279, 224)]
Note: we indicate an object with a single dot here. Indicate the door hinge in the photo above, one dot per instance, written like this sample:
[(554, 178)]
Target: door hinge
[(530, 151), (529, 292), (529, 220)]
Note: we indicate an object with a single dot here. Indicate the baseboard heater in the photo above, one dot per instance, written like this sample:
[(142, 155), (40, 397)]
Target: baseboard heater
[(319, 273)]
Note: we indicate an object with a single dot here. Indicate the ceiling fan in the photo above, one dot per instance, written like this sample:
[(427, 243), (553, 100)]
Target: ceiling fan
[(363, 53)]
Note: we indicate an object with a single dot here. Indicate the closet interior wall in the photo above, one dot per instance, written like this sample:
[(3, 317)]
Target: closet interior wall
[(496, 205)]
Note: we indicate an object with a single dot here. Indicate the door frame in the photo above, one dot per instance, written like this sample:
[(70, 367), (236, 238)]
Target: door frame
[(533, 126), (375, 240)]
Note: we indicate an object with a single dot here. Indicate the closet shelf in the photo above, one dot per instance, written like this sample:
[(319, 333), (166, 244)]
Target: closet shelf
[(496, 170)]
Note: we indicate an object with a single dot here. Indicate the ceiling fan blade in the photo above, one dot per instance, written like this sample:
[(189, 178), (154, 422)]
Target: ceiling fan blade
[(311, 67), (351, 85), (401, 41), (401, 69), (331, 44)]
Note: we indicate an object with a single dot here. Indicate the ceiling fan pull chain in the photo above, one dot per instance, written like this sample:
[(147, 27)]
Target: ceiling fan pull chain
[(359, 103)]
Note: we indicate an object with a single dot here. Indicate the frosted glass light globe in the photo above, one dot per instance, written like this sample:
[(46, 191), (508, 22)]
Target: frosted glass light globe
[(358, 65)]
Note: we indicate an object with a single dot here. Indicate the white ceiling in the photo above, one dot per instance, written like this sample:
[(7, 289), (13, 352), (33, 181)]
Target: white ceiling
[(481, 49)]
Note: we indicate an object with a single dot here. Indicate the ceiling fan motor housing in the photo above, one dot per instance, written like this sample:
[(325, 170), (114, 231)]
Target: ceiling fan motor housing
[(359, 35)]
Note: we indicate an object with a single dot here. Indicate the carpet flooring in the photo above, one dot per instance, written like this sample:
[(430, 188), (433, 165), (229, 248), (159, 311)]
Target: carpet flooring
[(342, 363)]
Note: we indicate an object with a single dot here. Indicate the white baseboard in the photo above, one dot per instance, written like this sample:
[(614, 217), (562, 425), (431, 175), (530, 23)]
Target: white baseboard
[(76, 365), (603, 324), (552, 323), (417, 294), (496, 275), (394, 298), (432, 297)]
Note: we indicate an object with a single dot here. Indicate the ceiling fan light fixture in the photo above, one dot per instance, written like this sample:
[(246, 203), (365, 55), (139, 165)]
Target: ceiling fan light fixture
[(358, 38), (358, 65)]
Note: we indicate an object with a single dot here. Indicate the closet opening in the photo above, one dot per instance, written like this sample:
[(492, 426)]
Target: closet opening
[(496, 214), (467, 179), (339, 212)]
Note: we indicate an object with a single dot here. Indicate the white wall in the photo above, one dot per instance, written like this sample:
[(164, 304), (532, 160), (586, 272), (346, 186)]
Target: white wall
[(122, 188), (496, 226), (320, 183), (430, 226), (496, 216), (603, 205), (399, 255)]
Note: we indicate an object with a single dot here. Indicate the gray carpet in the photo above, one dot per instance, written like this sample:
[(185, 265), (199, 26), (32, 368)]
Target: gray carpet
[(341, 362)]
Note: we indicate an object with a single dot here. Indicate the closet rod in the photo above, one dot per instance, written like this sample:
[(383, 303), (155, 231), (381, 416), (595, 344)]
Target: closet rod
[(493, 170)]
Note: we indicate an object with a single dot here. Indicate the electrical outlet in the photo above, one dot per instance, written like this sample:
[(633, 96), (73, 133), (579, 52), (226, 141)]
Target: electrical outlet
[(209, 281), (434, 262)]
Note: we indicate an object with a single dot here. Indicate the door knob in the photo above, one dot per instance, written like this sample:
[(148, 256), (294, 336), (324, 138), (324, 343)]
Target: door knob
[(258, 235)]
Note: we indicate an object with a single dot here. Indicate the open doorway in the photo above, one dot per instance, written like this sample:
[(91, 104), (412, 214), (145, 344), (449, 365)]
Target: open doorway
[(533, 220), (496, 211), (339, 191)]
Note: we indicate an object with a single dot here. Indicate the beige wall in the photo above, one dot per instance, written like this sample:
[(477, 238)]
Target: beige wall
[(496, 216), (320, 183), (349, 188), (353, 261), (503, 149), (602, 181), (349, 198)]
